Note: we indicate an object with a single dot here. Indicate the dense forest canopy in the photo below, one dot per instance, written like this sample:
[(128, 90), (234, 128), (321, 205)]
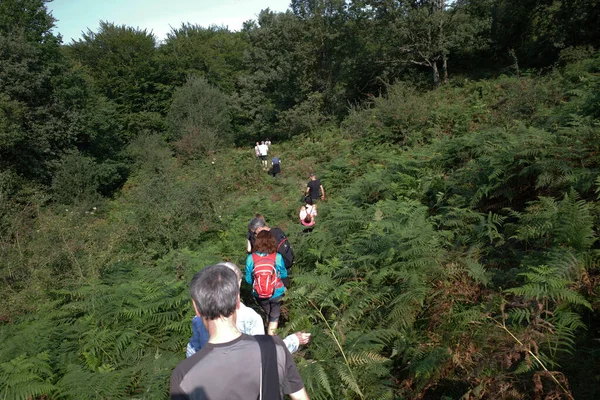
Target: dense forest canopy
[(456, 256)]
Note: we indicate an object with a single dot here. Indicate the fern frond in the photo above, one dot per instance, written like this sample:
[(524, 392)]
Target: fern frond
[(364, 358), (25, 377), (348, 379)]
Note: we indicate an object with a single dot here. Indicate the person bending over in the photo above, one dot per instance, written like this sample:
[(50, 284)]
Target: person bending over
[(307, 214)]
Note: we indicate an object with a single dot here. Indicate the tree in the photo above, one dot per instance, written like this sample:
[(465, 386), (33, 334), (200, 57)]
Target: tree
[(332, 50), (426, 32), (123, 62), (199, 118), (303, 67), (274, 81), (214, 53), (538, 30), (41, 98)]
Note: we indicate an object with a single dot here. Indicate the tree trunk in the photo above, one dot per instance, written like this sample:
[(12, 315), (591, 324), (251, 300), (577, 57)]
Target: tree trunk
[(444, 69), (436, 73)]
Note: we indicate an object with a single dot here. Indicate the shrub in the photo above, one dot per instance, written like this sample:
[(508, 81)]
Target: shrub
[(199, 115)]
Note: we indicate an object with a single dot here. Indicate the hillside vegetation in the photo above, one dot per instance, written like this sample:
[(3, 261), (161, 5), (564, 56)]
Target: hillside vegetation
[(455, 257)]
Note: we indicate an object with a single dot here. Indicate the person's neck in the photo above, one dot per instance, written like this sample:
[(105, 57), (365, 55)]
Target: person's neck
[(222, 330)]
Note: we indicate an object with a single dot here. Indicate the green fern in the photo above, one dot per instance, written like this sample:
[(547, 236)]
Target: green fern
[(25, 377), (544, 283)]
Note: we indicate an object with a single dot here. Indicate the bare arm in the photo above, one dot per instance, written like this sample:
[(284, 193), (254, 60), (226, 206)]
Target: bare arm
[(322, 192), (299, 395), (249, 246)]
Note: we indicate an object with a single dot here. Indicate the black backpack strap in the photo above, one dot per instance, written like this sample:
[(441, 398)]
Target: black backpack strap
[(270, 374)]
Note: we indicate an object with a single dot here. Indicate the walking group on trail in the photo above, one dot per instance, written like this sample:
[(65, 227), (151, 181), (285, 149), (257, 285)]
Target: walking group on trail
[(229, 356), (262, 152)]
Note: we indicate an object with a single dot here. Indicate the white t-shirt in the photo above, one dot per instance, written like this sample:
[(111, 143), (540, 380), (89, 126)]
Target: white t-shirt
[(249, 322), (263, 149), (308, 210)]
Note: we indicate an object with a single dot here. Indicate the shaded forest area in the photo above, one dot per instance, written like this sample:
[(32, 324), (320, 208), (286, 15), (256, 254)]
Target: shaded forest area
[(456, 257)]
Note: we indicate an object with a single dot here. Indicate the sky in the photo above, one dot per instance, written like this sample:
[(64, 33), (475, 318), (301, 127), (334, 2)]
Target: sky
[(76, 16)]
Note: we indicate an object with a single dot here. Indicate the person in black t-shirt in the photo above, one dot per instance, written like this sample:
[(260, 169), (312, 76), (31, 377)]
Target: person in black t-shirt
[(314, 187)]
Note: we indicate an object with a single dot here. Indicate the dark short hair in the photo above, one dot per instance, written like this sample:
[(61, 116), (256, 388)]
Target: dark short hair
[(256, 223), (215, 291), (265, 243)]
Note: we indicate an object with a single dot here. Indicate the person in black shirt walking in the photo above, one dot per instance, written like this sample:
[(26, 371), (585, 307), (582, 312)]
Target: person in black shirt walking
[(314, 187)]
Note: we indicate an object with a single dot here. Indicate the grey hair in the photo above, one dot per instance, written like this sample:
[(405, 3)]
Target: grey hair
[(215, 291), (255, 223), (232, 267)]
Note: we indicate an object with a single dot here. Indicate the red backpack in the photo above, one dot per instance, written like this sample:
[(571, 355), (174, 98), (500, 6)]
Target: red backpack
[(265, 275)]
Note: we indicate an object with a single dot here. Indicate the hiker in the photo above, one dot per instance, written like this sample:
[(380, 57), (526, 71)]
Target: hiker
[(263, 150), (283, 245), (232, 365), (264, 270), (314, 187), (257, 151), (248, 321), (307, 214), (251, 235), (268, 142), (276, 166)]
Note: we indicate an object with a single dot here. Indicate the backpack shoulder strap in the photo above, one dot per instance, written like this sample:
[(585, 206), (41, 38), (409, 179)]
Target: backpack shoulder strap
[(270, 375), (281, 242), (271, 257)]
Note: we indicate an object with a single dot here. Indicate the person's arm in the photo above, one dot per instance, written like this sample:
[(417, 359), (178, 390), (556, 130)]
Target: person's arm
[(280, 266), (249, 268), (175, 391), (307, 190), (292, 342), (199, 337), (299, 395), (248, 246), (295, 340), (322, 192), (290, 380)]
